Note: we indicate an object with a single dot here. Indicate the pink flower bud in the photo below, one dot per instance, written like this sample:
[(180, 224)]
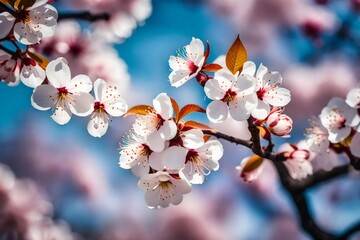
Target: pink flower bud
[(279, 124)]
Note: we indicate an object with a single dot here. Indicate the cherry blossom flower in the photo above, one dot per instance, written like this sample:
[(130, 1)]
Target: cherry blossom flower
[(32, 75), (187, 64), (157, 125), (201, 161), (268, 89), (107, 103), (353, 98), (234, 94), (65, 95), (9, 69), (162, 189), (279, 124), (135, 154), (318, 136), (35, 22), (297, 163), (250, 168), (6, 22), (338, 118)]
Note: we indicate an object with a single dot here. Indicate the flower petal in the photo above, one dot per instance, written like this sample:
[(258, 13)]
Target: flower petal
[(249, 68), (58, 72), (163, 106), (98, 125), (116, 108), (168, 130), (195, 51), (193, 138), (217, 111), (82, 105), (44, 97), (261, 111), (61, 115), (32, 76), (179, 77), (278, 97), (6, 22), (241, 108), (353, 98), (80, 83), (25, 34), (155, 142), (174, 157)]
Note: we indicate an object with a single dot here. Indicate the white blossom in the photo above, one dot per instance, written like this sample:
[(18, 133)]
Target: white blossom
[(353, 98), (187, 64), (158, 124), (9, 69), (32, 75), (232, 93), (338, 118), (35, 22), (6, 22), (107, 103), (64, 95), (279, 124), (318, 136), (250, 168), (162, 189)]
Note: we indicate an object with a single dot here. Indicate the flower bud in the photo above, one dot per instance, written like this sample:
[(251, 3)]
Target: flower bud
[(279, 124)]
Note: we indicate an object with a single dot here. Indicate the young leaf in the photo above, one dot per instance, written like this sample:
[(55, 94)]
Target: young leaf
[(197, 125), (190, 108), (176, 108), (139, 109), (236, 56), (206, 138), (253, 163), (43, 62), (212, 67)]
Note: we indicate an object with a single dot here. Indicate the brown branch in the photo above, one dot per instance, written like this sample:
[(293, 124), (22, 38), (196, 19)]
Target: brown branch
[(228, 138), (88, 16)]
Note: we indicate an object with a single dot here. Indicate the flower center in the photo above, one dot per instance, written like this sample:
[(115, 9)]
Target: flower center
[(229, 96), (165, 184), (99, 107), (336, 119), (63, 92), (24, 17), (160, 121), (193, 157), (192, 67), (145, 151), (261, 93)]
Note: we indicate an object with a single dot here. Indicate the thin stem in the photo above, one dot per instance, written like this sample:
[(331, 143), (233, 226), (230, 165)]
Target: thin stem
[(86, 15), (228, 138)]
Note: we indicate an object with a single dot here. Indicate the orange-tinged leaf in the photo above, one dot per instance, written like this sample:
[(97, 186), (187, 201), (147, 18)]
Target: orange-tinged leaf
[(43, 62), (264, 132), (212, 67), (176, 108), (190, 108), (197, 125), (206, 138), (139, 109), (253, 163), (236, 56)]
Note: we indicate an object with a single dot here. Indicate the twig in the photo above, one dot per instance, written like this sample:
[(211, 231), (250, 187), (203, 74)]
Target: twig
[(231, 139), (84, 16)]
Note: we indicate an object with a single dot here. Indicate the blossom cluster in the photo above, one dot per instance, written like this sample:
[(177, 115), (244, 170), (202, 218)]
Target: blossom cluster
[(167, 153), (25, 214)]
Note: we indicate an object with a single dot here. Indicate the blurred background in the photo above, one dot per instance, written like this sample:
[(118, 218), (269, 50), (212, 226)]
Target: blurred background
[(314, 44)]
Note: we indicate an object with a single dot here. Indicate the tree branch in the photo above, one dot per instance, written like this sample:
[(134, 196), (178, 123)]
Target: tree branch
[(231, 139), (86, 15)]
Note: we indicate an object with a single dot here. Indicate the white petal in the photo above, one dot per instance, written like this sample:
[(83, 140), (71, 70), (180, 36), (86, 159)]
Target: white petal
[(272, 79), (44, 97), (278, 97), (177, 63), (25, 34), (217, 111), (6, 22), (163, 106), (141, 169), (241, 108), (32, 76), (337, 135), (215, 89), (80, 83), (149, 181), (212, 150), (261, 111), (193, 177), (249, 68), (245, 84), (61, 115), (192, 138), (98, 125), (155, 161), (99, 89), (116, 108), (353, 98), (262, 70), (58, 72), (82, 105), (155, 142), (195, 50), (182, 186), (168, 130), (174, 157), (179, 77), (37, 3)]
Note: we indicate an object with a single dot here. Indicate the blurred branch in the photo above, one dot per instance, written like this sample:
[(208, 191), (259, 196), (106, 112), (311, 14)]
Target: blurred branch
[(231, 139), (355, 228), (84, 16)]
